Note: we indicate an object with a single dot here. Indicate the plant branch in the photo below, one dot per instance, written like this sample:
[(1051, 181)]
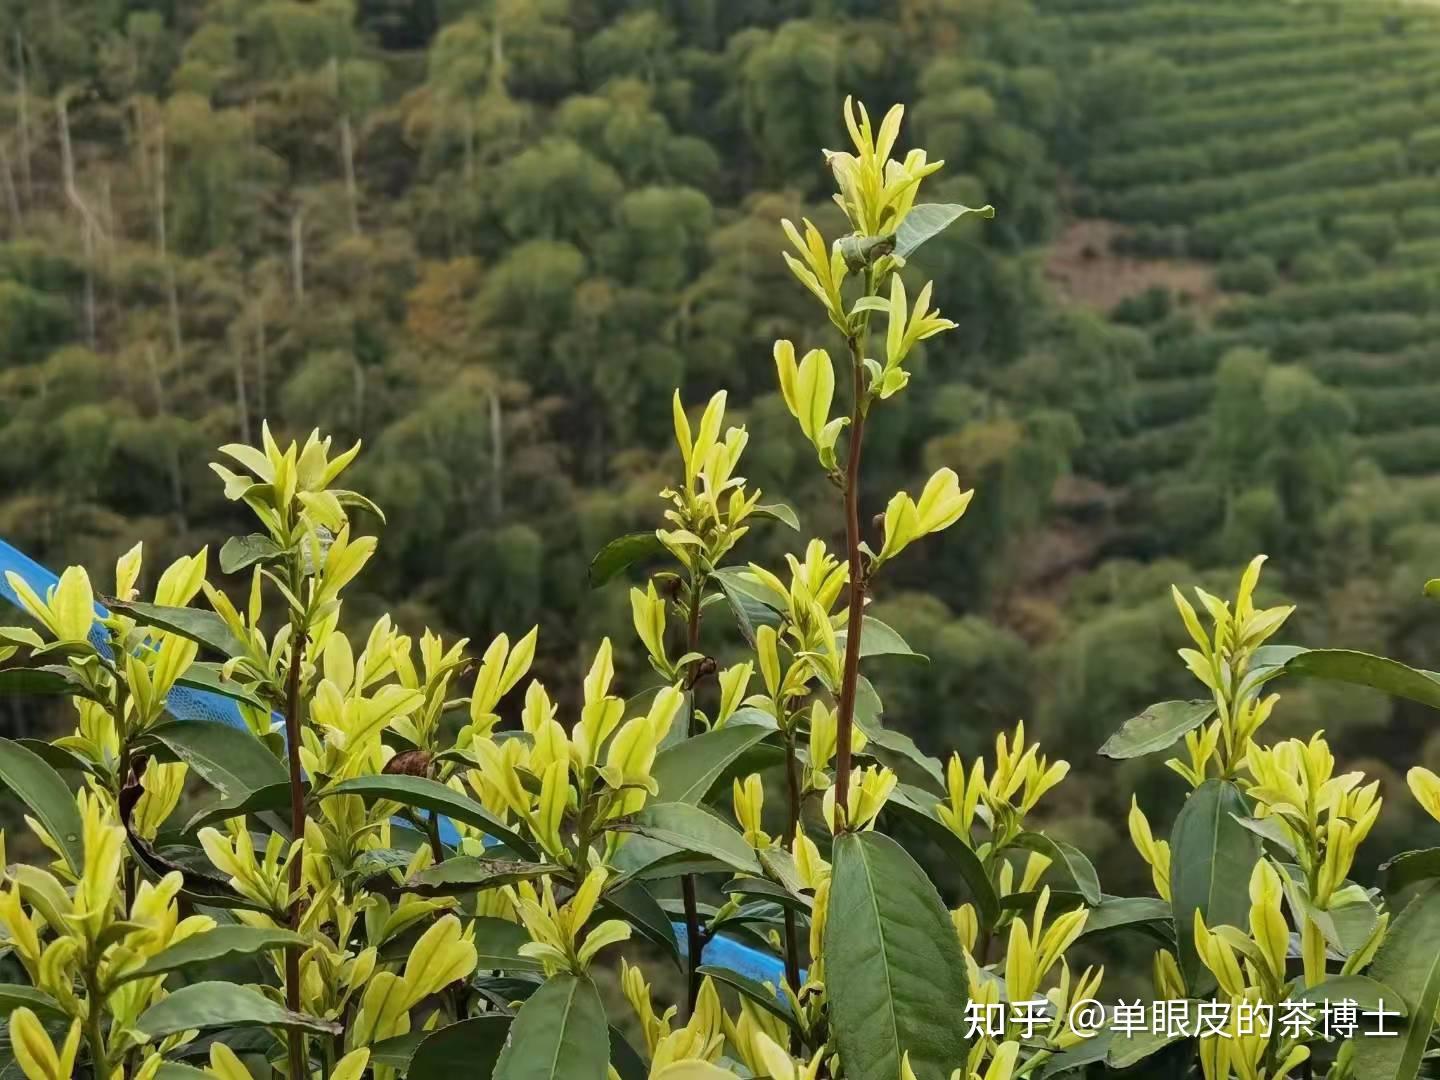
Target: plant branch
[(297, 827), (846, 717), (695, 945), (792, 829)]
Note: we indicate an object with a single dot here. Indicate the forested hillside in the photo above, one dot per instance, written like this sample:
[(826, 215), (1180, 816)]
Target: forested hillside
[(490, 236)]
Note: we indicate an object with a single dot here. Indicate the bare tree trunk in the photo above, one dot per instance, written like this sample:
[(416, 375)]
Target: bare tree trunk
[(22, 93), (242, 403), (297, 254), (262, 361), (497, 457), (162, 243), (12, 197), (347, 152), (359, 396), (162, 408), (89, 225)]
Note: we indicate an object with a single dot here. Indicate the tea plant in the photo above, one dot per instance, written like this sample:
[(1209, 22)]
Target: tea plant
[(388, 879)]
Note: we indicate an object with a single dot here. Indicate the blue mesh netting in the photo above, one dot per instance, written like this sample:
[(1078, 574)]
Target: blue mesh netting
[(186, 704)]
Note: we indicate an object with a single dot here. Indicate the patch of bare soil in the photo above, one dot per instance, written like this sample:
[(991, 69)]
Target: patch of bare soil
[(1084, 269)]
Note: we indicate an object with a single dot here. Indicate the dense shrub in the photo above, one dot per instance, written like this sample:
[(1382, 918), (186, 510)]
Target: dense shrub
[(1253, 274)]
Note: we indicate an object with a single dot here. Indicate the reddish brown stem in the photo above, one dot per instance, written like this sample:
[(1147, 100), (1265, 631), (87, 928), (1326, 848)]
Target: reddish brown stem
[(297, 831), (695, 946), (846, 717)]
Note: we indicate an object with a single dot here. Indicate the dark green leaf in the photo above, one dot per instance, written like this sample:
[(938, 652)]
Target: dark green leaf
[(634, 903), (779, 512), (1408, 961), (498, 941), (629, 1064), (926, 220), (879, 639), (49, 681), (467, 874), (1141, 912), (881, 741), (1157, 728), (434, 796), (272, 797), (1359, 669), (622, 552), (1368, 994), (205, 627), (57, 757), (215, 945), (688, 770), (762, 995), (1061, 854), (559, 1034), (223, 1005), (957, 855), (206, 676), (17, 995), (1269, 829), (1128, 1050), (469, 1048), (894, 973), (754, 888), (41, 789), (174, 1070), (1410, 867), (689, 828), (230, 759), (1211, 858), (397, 1051), (749, 602), (241, 551), (1078, 1056)]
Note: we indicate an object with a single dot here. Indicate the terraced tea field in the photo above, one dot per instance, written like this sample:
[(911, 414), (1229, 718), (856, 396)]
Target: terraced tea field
[(1293, 148)]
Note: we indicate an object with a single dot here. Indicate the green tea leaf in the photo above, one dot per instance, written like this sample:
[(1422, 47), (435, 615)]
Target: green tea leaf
[(468, 1048), (1409, 962), (1368, 994), (1071, 858), (879, 639), (1157, 728), (41, 789), (498, 941), (50, 680), (230, 759), (956, 854), (749, 602), (214, 945), (691, 829), (778, 512), (239, 552), (927, 220), (1211, 858), (205, 627), (634, 903), (431, 795), (894, 972), (468, 874), (206, 676), (17, 995), (621, 553), (559, 1034), (688, 770), (762, 995), (1356, 668), (223, 1005), (1409, 868)]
